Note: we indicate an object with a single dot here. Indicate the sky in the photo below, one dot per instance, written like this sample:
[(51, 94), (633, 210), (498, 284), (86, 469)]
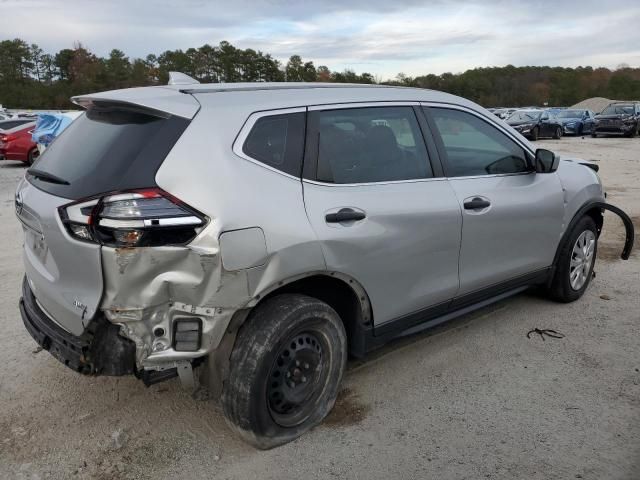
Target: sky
[(382, 37)]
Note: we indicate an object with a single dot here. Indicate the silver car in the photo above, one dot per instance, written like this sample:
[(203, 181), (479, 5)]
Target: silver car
[(247, 238)]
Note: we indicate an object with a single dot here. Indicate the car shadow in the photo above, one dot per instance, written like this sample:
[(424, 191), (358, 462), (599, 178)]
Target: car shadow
[(11, 164), (463, 321)]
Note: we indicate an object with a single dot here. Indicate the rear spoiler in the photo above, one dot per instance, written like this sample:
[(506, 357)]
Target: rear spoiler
[(157, 101), (112, 105)]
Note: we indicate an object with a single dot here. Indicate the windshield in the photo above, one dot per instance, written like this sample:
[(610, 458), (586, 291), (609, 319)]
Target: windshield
[(524, 116), (618, 110), (570, 114)]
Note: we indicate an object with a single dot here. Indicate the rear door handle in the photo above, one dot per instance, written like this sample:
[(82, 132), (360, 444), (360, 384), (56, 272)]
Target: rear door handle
[(476, 204), (344, 215)]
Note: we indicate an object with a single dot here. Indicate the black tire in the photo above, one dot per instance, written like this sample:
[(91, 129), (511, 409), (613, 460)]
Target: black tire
[(534, 133), (285, 329), (561, 289), (594, 134), (557, 134), (33, 155)]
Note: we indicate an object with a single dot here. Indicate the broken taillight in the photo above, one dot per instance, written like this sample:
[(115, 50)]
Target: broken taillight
[(138, 218)]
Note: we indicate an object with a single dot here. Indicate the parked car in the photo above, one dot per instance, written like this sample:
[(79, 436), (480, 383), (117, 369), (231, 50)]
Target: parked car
[(316, 221), (619, 118), (12, 123), (535, 124), (576, 122), (502, 112), (16, 144)]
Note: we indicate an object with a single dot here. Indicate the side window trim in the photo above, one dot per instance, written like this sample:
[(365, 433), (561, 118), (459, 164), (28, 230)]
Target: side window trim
[(427, 108), (430, 141), (249, 123), (311, 152)]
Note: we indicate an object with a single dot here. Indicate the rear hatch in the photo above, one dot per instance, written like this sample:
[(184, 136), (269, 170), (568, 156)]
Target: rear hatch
[(113, 147)]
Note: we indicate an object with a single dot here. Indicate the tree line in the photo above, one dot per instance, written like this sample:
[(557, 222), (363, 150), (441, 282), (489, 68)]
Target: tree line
[(31, 78)]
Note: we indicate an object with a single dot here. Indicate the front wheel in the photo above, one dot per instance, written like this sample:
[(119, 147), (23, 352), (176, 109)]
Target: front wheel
[(285, 370), (534, 133), (574, 268)]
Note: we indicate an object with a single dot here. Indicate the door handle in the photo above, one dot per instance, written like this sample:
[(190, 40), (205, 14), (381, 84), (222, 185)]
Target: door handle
[(344, 215), (476, 204)]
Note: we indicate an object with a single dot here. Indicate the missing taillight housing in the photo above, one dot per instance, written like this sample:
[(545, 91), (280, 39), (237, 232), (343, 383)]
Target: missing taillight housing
[(137, 218)]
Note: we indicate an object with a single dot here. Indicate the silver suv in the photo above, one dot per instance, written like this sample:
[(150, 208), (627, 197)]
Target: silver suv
[(249, 237)]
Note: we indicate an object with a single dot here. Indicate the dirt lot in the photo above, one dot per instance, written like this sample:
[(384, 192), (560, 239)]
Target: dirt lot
[(472, 399)]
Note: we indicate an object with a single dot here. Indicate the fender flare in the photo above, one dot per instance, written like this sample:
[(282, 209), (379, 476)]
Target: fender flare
[(626, 220)]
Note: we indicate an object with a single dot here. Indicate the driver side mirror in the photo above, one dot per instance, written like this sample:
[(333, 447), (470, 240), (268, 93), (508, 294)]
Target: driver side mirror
[(546, 161)]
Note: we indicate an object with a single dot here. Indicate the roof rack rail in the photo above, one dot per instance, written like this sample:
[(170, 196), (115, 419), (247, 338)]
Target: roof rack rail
[(289, 86), (179, 78)]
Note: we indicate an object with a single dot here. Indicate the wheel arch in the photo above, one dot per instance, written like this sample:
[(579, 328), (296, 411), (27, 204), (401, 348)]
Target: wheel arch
[(341, 292), (595, 210)]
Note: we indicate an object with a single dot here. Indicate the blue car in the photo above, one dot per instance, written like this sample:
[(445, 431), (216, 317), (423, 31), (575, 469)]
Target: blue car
[(576, 122)]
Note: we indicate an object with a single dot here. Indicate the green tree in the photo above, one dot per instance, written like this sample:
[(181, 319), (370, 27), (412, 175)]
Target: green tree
[(118, 70)]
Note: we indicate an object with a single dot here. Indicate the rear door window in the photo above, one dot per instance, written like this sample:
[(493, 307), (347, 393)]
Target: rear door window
[(370, 144), (108, 149), (278, 141)]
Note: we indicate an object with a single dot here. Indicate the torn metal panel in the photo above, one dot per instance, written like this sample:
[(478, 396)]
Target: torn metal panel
[(146, 288)]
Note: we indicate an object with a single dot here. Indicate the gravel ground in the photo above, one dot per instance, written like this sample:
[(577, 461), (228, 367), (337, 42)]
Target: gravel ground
[(472, 399)]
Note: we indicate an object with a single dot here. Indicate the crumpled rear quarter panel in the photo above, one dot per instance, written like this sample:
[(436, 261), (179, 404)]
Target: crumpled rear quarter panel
[(148, 287)]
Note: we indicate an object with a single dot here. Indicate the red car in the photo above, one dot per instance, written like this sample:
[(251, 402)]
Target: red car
[(16, 144)]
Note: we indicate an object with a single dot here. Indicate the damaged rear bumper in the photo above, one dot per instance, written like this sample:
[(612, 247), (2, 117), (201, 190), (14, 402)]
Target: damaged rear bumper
[(100, 350)]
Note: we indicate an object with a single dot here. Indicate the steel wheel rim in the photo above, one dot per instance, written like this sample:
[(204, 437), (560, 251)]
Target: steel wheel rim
[(582, 257), (296, 378)]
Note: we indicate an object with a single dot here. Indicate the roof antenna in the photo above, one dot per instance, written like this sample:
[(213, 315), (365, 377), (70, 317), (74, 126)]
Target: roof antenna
[(179, 78)]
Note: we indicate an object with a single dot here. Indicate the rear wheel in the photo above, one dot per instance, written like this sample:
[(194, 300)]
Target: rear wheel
[(33, 155), (575, 264), (285, 370), (557, 134)]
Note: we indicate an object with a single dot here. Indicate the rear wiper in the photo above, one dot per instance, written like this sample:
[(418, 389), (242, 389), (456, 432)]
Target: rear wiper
[(47, 177)]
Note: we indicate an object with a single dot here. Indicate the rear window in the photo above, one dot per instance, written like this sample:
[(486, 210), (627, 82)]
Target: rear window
[(108, 149), (278, 141)]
